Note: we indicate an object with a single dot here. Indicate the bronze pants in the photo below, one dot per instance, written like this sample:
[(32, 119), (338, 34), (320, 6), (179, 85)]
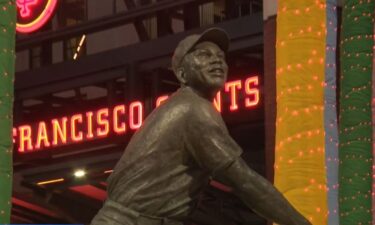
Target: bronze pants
[(113, 213)]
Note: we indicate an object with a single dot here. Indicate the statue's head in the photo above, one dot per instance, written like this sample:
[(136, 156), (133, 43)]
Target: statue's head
[(199, 61)]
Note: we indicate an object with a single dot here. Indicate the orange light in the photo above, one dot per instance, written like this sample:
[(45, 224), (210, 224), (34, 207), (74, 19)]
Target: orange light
[(232, 87), (254, 92), (135, 107), (25, 137), (50, 181), (76, 136), (103, 123), (108, 171), (42, 136), (161, 99), (119, 129), (79, 173)]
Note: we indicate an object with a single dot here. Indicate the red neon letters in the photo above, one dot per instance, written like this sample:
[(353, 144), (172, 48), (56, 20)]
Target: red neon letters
[(89, 133), (42, 136), (136, 115), (117, 126), (251, 90), (232, 87), (102, 119), (217, 101), (108, 121), (59, 131), (74, 125), (25, 138)]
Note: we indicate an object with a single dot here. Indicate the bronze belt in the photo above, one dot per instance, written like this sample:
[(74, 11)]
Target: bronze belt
[(113, 213)]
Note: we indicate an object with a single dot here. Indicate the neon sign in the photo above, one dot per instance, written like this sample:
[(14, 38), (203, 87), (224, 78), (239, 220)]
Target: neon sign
[(33, 14), (25, 6), (120, 119)]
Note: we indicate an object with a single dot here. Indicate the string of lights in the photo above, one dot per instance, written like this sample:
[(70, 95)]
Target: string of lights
[(373, 129), (300, 62), (7, 59), (355, 148)]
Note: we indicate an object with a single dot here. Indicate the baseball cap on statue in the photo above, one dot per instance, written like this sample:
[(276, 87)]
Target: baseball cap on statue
[(215, 35)]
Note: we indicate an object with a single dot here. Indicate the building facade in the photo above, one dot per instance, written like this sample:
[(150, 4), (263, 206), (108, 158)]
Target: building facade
[(92, 73)]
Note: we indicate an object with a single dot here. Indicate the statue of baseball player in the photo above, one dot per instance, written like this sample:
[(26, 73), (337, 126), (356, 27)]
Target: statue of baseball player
[(182, 145)]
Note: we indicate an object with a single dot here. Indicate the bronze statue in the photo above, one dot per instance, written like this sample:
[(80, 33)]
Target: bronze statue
[(184, 143)]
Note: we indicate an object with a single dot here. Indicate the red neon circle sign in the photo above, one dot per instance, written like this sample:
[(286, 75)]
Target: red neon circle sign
[(33, 14)]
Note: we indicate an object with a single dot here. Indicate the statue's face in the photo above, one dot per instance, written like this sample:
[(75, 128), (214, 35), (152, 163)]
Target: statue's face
[(205, 68)]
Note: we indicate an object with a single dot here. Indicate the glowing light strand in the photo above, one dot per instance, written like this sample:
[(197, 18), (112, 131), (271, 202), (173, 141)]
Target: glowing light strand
[(355, 148), (300, 62), (373, 130), (7, 59)]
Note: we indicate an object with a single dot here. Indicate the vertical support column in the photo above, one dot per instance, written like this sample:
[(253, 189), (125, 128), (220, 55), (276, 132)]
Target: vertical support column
[(7, 69), (300, 169), (138, 23), (133, 85), (191, 16), (355, 149), (111, 92), (164, 23), (46, 48), (156, 86), (373, 131), (330, 113), (231, 9), (269, 39), (134, 96)]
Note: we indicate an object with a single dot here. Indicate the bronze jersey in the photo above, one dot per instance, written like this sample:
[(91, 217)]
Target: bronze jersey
[(170, 159)]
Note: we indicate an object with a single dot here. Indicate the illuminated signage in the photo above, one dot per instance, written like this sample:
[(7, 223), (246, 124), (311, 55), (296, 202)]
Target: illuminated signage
[(119, 119), (33, 14)]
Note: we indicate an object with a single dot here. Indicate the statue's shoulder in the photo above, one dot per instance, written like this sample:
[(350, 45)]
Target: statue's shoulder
[(179, 102), (185, 101)]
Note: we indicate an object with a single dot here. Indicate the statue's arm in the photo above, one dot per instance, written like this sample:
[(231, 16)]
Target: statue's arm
[(210, 144), (260, 195)]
